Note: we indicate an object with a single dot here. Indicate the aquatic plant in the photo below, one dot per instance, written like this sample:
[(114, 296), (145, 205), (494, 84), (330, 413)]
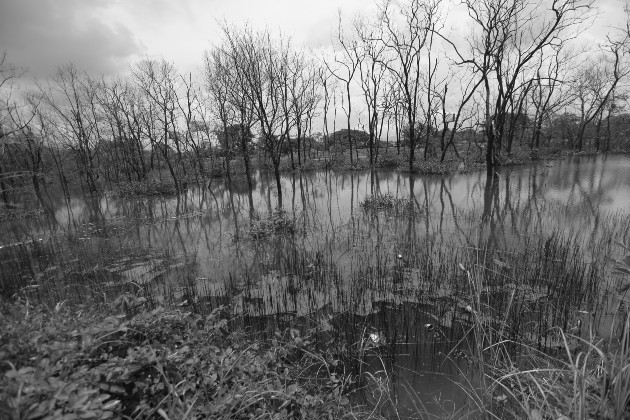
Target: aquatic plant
[(145, 189), (278, 223), (389, 204), (576, 374)]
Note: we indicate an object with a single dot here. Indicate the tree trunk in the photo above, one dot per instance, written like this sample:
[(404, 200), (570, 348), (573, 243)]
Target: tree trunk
[(276, 171), (348, 118)]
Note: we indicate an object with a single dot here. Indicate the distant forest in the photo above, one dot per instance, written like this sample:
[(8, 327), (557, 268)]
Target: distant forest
[(516, 80)]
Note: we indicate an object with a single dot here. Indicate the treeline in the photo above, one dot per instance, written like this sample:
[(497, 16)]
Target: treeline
[(513, 78)]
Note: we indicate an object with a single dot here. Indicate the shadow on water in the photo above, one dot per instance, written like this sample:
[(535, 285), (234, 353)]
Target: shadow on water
[(377, 286)]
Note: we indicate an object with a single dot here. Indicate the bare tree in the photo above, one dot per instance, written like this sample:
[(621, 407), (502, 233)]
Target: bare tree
[(218, 83), (596, 81), (343, 66), (10, 124), (156, 79), (190, 107), (303, 98), (264, 65), (119, 100), (372, 71), (405, 31), (71, 96), (548, 91), (465, 89), (508, 36)]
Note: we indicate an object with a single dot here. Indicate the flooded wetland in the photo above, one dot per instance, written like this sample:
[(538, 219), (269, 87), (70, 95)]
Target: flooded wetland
[(424, 284)]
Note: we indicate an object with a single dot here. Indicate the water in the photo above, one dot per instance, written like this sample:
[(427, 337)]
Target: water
[(345, 274)]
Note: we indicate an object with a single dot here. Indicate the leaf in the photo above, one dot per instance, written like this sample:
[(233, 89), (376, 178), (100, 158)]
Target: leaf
[(622, 270), (292, 389), (110, 405), (101, 398), (183, 350), (611, 259), (501, 398), (535, 414), (624, 288), (622, 245), (500, 263)]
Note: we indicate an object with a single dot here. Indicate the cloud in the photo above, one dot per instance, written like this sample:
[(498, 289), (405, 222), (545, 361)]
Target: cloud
[(44, 34)]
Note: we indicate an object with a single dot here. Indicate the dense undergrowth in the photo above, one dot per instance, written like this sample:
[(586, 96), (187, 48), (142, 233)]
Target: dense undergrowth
[(78, 362), (16, 212), (145, 188)]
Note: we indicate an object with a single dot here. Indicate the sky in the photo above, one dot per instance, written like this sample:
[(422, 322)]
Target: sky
[(106, 36)]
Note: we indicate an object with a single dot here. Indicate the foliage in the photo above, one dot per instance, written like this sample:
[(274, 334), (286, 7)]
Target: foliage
[(145, 189), (230, 140), (278, 223), (390, 160), (8, 213), (359, 137), (77, 363), (389, 204)]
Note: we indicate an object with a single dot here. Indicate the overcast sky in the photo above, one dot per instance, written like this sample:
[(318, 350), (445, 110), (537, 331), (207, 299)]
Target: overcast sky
[(105, 36)]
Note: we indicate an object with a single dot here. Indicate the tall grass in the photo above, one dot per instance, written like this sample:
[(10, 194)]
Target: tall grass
[(576, 375)]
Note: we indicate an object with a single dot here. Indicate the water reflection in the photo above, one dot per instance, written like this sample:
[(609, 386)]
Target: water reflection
[(210, 223)]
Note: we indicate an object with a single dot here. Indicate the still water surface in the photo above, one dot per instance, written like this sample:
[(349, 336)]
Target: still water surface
[(345, 274)]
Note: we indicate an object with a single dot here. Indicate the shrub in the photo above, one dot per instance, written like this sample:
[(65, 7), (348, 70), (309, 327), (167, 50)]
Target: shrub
[(390, 160), (145, 189), (278, 223), (389, 204), (69, 363)]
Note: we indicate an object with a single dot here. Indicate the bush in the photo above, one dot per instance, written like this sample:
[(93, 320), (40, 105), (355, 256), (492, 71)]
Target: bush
[(67, 363), (278, 223), (389, 204), (390, 160), (145, 189), (16, 212)]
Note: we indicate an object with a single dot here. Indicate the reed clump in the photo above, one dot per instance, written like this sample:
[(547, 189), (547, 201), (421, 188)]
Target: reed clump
[(280, 222), (154, 188), (390, 204), (548, 371)]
